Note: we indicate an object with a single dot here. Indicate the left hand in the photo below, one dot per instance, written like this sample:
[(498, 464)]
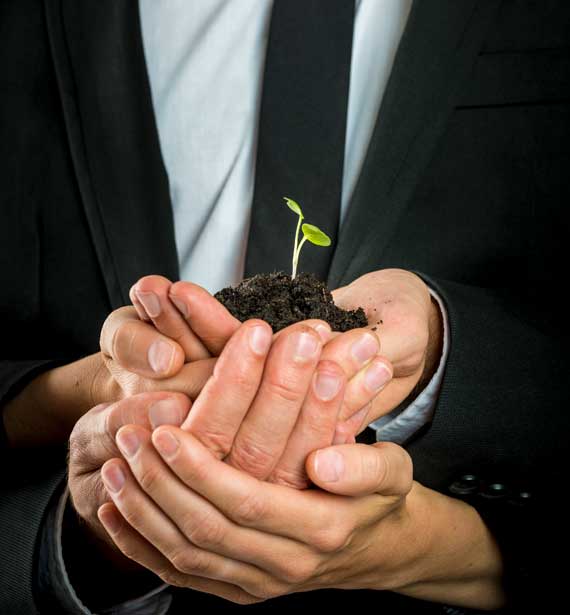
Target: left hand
[(198, 522)]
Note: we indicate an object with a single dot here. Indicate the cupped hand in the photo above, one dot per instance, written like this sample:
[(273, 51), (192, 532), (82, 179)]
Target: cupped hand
[(182, 307), (139, 358), (407, 320), (92, 443), (198, 522)]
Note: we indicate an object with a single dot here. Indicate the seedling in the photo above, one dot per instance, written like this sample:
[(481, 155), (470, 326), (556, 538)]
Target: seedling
[(310, 232)]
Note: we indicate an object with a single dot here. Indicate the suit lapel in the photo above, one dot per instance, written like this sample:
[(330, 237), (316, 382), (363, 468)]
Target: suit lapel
[(438, 47), (101, 73)]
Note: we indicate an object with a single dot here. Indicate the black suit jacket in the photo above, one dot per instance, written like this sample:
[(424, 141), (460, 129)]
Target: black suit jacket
[(466, 182)]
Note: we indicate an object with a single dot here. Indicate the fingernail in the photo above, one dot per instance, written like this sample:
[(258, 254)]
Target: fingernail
[(259, 340), (326, 385), (181, 306), (150, 302), (160, 356), (365, 348), (305, 346), (329, 465), (376, 376), (113, 477), (324, 332), (166, 444), (129, 443), (164, 412), (110, 520)]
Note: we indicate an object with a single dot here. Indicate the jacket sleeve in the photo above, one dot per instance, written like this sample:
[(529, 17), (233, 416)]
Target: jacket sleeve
[(498, 433), (28, 484)]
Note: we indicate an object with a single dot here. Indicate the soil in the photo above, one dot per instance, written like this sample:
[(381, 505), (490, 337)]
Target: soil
[(280, 301)]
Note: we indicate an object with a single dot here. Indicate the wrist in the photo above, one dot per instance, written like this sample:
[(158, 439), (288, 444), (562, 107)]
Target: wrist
[(44, 412), (457, 561), (435, 343)]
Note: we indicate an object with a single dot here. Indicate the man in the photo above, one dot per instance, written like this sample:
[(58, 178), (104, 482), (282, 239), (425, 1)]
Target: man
[(459, 183)]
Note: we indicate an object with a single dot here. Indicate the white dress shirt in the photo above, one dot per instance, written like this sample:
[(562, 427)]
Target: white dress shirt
[(205, 63)]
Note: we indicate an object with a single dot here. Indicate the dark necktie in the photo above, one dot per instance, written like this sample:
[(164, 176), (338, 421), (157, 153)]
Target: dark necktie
[(302, 130)]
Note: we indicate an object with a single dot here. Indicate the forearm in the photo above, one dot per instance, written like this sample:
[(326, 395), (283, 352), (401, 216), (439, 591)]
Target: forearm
[(460, 562), (46, 410)]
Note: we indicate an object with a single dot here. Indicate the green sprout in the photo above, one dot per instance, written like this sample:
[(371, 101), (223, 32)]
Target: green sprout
[(311, 233)]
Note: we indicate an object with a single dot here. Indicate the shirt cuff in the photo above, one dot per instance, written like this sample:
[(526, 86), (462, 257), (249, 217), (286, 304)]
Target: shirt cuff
[(53, 580), (402, 423)]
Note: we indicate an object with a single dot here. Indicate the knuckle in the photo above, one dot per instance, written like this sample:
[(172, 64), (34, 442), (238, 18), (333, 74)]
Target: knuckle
[(243, 598), (218, 442), (283, 389), (148, 478), (252, 457), (373, 467), (267, 590), (298, 572), (189, 560), (250, 510), (296, 479), (332, 539), (204, 532), (79, 445), (132, 516)]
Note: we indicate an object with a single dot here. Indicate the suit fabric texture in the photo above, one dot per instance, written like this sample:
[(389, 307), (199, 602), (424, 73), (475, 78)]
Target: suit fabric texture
[(466, 182)]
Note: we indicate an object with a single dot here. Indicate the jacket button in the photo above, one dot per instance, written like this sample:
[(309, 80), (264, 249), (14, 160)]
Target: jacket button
[(494, 490), (466, 485)]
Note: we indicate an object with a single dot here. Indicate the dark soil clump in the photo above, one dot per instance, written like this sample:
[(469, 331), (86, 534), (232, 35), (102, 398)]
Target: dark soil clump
[(280, 301)]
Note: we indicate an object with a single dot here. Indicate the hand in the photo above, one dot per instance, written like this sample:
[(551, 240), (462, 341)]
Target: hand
[(176, 308), (197, 522), (271, 401), (92, 443), (134, 358), (398, 306)]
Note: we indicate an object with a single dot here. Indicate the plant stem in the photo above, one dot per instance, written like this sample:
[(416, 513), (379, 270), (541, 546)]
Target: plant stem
[(296, 257), (295, 254)]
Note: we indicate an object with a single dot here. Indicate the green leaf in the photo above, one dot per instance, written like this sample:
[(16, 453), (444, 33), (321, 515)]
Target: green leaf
[(294, 206), (315, 235)]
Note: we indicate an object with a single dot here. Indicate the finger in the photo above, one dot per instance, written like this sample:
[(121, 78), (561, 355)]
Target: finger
[(142, 514), (320, 326), (140, 550), (227, 396), (364, 386), (315, 426), (242, 498), (265, 430), (207, 317), (138, 347), (352, 350), (200, 523), (359, 469), (92, 441), (152, 292), (148, 410), (141, 312), (190, 380)]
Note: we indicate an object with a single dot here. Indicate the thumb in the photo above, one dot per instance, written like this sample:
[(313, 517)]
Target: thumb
[(361, 469)]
